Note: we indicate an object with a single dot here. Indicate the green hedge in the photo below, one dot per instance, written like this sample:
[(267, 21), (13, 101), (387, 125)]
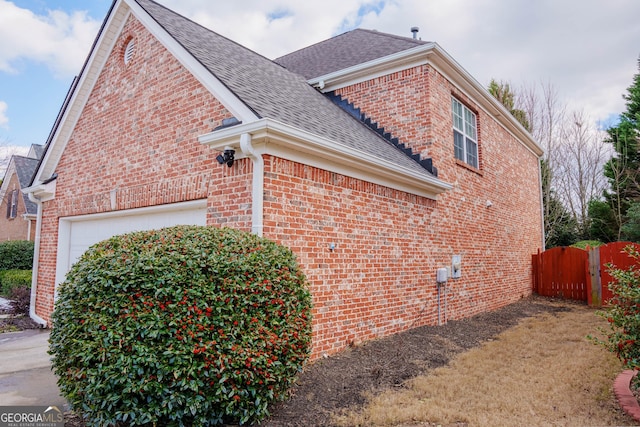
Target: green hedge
[(13, 279), (182, 326), (16, 255)]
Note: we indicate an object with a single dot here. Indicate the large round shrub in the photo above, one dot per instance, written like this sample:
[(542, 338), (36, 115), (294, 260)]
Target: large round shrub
[(180, 326)]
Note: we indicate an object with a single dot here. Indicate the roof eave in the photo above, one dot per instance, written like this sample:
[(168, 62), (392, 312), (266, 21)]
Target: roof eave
[(295, 144)]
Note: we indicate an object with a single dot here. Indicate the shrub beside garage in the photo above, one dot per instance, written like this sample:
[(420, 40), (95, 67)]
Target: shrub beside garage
[(16, 255), (16, 260), (181, 326)]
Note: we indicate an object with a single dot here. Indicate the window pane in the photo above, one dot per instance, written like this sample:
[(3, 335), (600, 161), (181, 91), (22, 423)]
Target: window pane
[(470, 120), (472, 153), (458, 143), (458, 121)]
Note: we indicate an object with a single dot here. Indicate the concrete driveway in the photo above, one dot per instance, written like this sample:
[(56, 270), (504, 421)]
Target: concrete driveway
[(25, 370)]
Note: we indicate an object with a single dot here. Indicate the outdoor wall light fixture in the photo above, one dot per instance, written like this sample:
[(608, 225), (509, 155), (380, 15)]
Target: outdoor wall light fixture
[(226, 157)]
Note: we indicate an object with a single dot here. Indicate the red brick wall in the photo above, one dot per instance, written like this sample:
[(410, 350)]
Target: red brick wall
[(378, 280), (139, 132), (409, 240), (137, 140)]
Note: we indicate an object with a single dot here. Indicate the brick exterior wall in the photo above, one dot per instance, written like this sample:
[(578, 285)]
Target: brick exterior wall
[(14, 228), (136, 144), (138, 132)]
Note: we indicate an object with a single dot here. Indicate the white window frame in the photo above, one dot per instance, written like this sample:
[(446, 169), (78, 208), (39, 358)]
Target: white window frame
[(13, 205), (465, 133)]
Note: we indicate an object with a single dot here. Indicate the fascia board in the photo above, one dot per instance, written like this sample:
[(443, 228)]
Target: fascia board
[(11, 170), (43, 192), (372, 69), (294, 144), (435, 55), (450, 68)]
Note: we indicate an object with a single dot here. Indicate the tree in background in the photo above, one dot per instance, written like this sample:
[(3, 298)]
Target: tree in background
[(623, 169), (571, 169), (559, 226), (580, 180), (503, 93)]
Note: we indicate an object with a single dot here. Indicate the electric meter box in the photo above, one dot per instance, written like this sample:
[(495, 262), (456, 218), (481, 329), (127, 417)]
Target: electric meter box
[(441, 275)]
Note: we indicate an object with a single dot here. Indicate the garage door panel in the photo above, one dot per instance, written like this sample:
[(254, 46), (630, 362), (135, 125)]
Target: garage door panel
[(77, 234)]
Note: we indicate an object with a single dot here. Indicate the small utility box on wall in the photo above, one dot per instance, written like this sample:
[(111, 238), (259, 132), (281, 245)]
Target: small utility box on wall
[(456, 267)]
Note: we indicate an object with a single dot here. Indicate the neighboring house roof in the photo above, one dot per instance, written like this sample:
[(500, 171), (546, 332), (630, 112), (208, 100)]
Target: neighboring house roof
[(25, 168), (36, 151), (273, 92), (345, 50)]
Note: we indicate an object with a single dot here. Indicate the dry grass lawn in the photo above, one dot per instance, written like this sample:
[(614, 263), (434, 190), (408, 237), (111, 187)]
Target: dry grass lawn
[(542, 372)]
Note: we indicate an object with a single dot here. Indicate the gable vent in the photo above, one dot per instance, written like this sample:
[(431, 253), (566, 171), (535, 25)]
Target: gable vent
[(128, 51)]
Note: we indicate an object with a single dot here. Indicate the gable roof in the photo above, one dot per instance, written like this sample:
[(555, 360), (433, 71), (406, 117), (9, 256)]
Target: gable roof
[(345, 50), (273, 92), (361, 55), (25, 168), (292, 117)]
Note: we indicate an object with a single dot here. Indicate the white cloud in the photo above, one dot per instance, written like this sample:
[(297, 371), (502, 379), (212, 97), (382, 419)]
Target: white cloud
[(4, 120), (6, 151), (588, 49), (59, 40)]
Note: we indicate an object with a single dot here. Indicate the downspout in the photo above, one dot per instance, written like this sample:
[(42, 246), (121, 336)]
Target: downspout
[(257, 189), (36, 257), (542, 210)]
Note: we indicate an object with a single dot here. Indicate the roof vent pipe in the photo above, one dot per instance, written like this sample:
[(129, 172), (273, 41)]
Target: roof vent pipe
[(415, 30)]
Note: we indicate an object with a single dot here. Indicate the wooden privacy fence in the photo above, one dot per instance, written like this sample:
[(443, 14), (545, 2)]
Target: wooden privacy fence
[(578, 274)]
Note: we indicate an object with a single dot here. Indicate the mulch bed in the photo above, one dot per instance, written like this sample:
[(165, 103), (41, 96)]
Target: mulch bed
[(10, 323), (340, 382)]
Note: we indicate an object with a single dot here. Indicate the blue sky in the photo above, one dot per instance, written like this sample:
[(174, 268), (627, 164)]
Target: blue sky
[(587, 49)]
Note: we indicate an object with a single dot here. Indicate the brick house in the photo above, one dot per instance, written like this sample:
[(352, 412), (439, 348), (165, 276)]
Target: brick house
[(17, 212), (376, 158)]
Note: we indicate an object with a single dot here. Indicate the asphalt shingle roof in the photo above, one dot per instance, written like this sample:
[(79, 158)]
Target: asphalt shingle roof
[(25, 168), (344, 51), (272, 91)]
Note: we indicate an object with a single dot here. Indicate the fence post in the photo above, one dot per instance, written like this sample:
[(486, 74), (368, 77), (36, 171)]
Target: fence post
[(535, 273), (594, 292)]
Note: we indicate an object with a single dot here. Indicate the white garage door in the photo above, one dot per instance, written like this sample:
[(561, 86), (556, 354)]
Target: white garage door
[(77, 234)]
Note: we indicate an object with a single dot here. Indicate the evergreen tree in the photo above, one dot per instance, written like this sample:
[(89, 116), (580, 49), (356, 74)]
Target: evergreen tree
[(503, 93), (623, 170)]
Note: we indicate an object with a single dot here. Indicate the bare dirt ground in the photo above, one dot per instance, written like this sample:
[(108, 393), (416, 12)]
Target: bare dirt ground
[(341, 383)]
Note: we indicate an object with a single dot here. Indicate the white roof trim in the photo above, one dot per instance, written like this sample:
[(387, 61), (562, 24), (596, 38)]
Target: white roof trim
[(295, 144), (98, 56), (431, 53)]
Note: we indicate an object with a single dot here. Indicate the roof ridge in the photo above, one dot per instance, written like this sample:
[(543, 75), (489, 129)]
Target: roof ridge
[(376, 32), (394, 36)]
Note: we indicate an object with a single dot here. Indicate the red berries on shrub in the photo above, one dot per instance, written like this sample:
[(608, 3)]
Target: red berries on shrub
[(190, 322)]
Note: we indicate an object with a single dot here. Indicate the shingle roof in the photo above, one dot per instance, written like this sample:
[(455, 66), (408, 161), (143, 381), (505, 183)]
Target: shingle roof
[(38, 150), (343, 51), (272, 91), (25, 168)]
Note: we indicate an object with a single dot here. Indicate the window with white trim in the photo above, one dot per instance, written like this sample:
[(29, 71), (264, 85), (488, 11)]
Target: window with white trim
[(12, 204), (465, 135)]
